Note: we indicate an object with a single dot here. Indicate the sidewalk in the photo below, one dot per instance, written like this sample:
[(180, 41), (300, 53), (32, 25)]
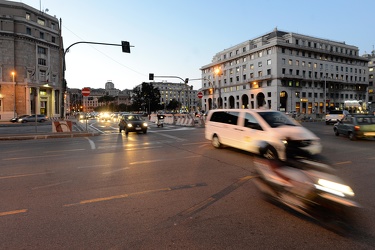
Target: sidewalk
[(32, 131)]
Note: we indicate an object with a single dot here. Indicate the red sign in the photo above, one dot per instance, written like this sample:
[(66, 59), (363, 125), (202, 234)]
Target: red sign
[(86, 91), (200, 95)]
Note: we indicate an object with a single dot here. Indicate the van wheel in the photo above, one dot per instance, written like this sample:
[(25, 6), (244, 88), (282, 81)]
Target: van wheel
[(216, 142), (270, 153)]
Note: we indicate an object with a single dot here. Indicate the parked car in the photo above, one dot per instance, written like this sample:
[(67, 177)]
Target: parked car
[(334, 116), (15, 119), (250, 129), (356, 126), (132, 123), (31, 118)]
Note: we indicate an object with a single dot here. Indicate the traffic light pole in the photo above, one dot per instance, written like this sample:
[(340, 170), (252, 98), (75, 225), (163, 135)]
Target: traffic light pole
[(125, 48)]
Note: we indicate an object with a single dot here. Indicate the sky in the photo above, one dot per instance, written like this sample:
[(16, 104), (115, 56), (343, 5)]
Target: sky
[(177, 37)]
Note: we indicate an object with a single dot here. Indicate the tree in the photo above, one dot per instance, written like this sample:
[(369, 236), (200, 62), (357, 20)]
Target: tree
[(146, 97), (173, 104)]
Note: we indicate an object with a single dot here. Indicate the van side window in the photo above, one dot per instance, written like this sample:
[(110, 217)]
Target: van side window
[(251, 122), (225, 117)]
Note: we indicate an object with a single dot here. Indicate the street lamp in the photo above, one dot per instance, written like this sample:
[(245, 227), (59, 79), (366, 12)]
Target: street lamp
[(325, 95), (14, 107), (217, 72)]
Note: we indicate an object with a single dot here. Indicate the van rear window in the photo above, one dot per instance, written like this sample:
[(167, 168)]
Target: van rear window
[(225, 117)]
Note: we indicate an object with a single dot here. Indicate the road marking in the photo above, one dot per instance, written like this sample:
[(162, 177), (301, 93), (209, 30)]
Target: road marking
[(92, 144), (159, 160), (29, 157), (51, 185), (116, 170), (67, 150), (343, 162), (95, 166), (20, 175), (212, 199), (122, 196), (13, 212)]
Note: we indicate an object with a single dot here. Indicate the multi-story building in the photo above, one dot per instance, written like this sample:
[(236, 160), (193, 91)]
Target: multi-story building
[(30, 62), (181, 92), (371, 86), (288, 72)]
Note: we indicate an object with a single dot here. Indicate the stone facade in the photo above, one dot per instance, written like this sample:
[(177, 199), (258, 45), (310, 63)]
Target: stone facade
[(30, 63), (289, 72)]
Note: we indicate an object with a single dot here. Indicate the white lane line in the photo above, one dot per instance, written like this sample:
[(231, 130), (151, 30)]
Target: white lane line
[(92, 144), (51, 185)]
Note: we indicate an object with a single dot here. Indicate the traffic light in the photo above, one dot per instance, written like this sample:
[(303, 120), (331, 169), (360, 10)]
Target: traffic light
[(125, 46), (151, 76), (186, 80)]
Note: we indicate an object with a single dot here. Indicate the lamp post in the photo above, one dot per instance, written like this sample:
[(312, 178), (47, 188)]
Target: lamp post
[(14, 107), (325, 95), (217, 73)]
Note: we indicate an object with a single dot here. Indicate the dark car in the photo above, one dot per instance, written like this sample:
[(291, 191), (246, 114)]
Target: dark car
[(15, 119), (132, 123), (356, 126), (31, 118)]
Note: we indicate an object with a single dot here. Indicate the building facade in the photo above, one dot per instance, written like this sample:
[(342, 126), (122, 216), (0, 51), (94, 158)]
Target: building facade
[(181, 92), (289, 72), (30, 63), (371, 86)]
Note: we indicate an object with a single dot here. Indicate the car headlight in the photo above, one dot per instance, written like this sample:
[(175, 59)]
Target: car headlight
[(334, 188), (145, 124), (130, 125)]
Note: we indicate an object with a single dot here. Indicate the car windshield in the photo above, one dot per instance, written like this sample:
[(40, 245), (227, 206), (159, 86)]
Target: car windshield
[(133, 118), (276, 119)]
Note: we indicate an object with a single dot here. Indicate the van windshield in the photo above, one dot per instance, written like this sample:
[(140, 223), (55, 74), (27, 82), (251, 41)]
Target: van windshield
[(276, 119)]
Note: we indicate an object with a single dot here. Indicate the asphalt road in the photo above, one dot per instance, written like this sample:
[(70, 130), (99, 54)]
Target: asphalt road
[(167, 189)]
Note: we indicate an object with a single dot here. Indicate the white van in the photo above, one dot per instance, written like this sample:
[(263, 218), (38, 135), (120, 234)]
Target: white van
[(250, 129)]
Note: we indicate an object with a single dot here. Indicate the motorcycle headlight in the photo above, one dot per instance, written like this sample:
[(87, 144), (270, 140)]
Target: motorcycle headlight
[(334, 188)]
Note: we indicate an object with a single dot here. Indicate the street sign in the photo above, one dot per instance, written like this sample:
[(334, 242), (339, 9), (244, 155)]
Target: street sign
[(86, 91), (200, 95)]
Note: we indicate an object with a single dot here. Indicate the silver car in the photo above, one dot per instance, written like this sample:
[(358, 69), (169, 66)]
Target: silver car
[(32, 118)]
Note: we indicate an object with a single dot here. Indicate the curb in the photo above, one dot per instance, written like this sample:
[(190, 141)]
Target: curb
[(46, 136)]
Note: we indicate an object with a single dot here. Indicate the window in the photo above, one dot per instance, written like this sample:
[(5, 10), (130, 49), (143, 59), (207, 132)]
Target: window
[(28, 16), (269, 62), (268, 71), (259, 64), (28, 31), (41, 21), (290, 61), (251, 66), (42, 61), (42, 50), (225, 117), (251, 122), (41, 35)]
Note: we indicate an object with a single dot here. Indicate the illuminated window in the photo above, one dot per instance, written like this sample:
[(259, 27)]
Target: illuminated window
[(41, 22)]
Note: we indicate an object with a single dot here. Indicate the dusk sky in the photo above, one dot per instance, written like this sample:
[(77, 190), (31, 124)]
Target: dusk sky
[(177, 38)]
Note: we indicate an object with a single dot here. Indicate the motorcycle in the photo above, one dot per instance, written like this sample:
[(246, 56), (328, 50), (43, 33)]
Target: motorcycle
[(160, 121), (310, 188)]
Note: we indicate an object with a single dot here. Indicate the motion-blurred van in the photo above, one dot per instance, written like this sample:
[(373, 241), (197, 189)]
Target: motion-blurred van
[(249, 129)]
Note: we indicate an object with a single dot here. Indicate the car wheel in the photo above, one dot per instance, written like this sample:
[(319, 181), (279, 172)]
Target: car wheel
[(216, 142), (23, 121), (352, 136), (270, 153), (42, 120), (336, 132)]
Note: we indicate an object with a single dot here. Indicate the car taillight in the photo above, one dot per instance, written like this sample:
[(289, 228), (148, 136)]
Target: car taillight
[(357, 128)]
